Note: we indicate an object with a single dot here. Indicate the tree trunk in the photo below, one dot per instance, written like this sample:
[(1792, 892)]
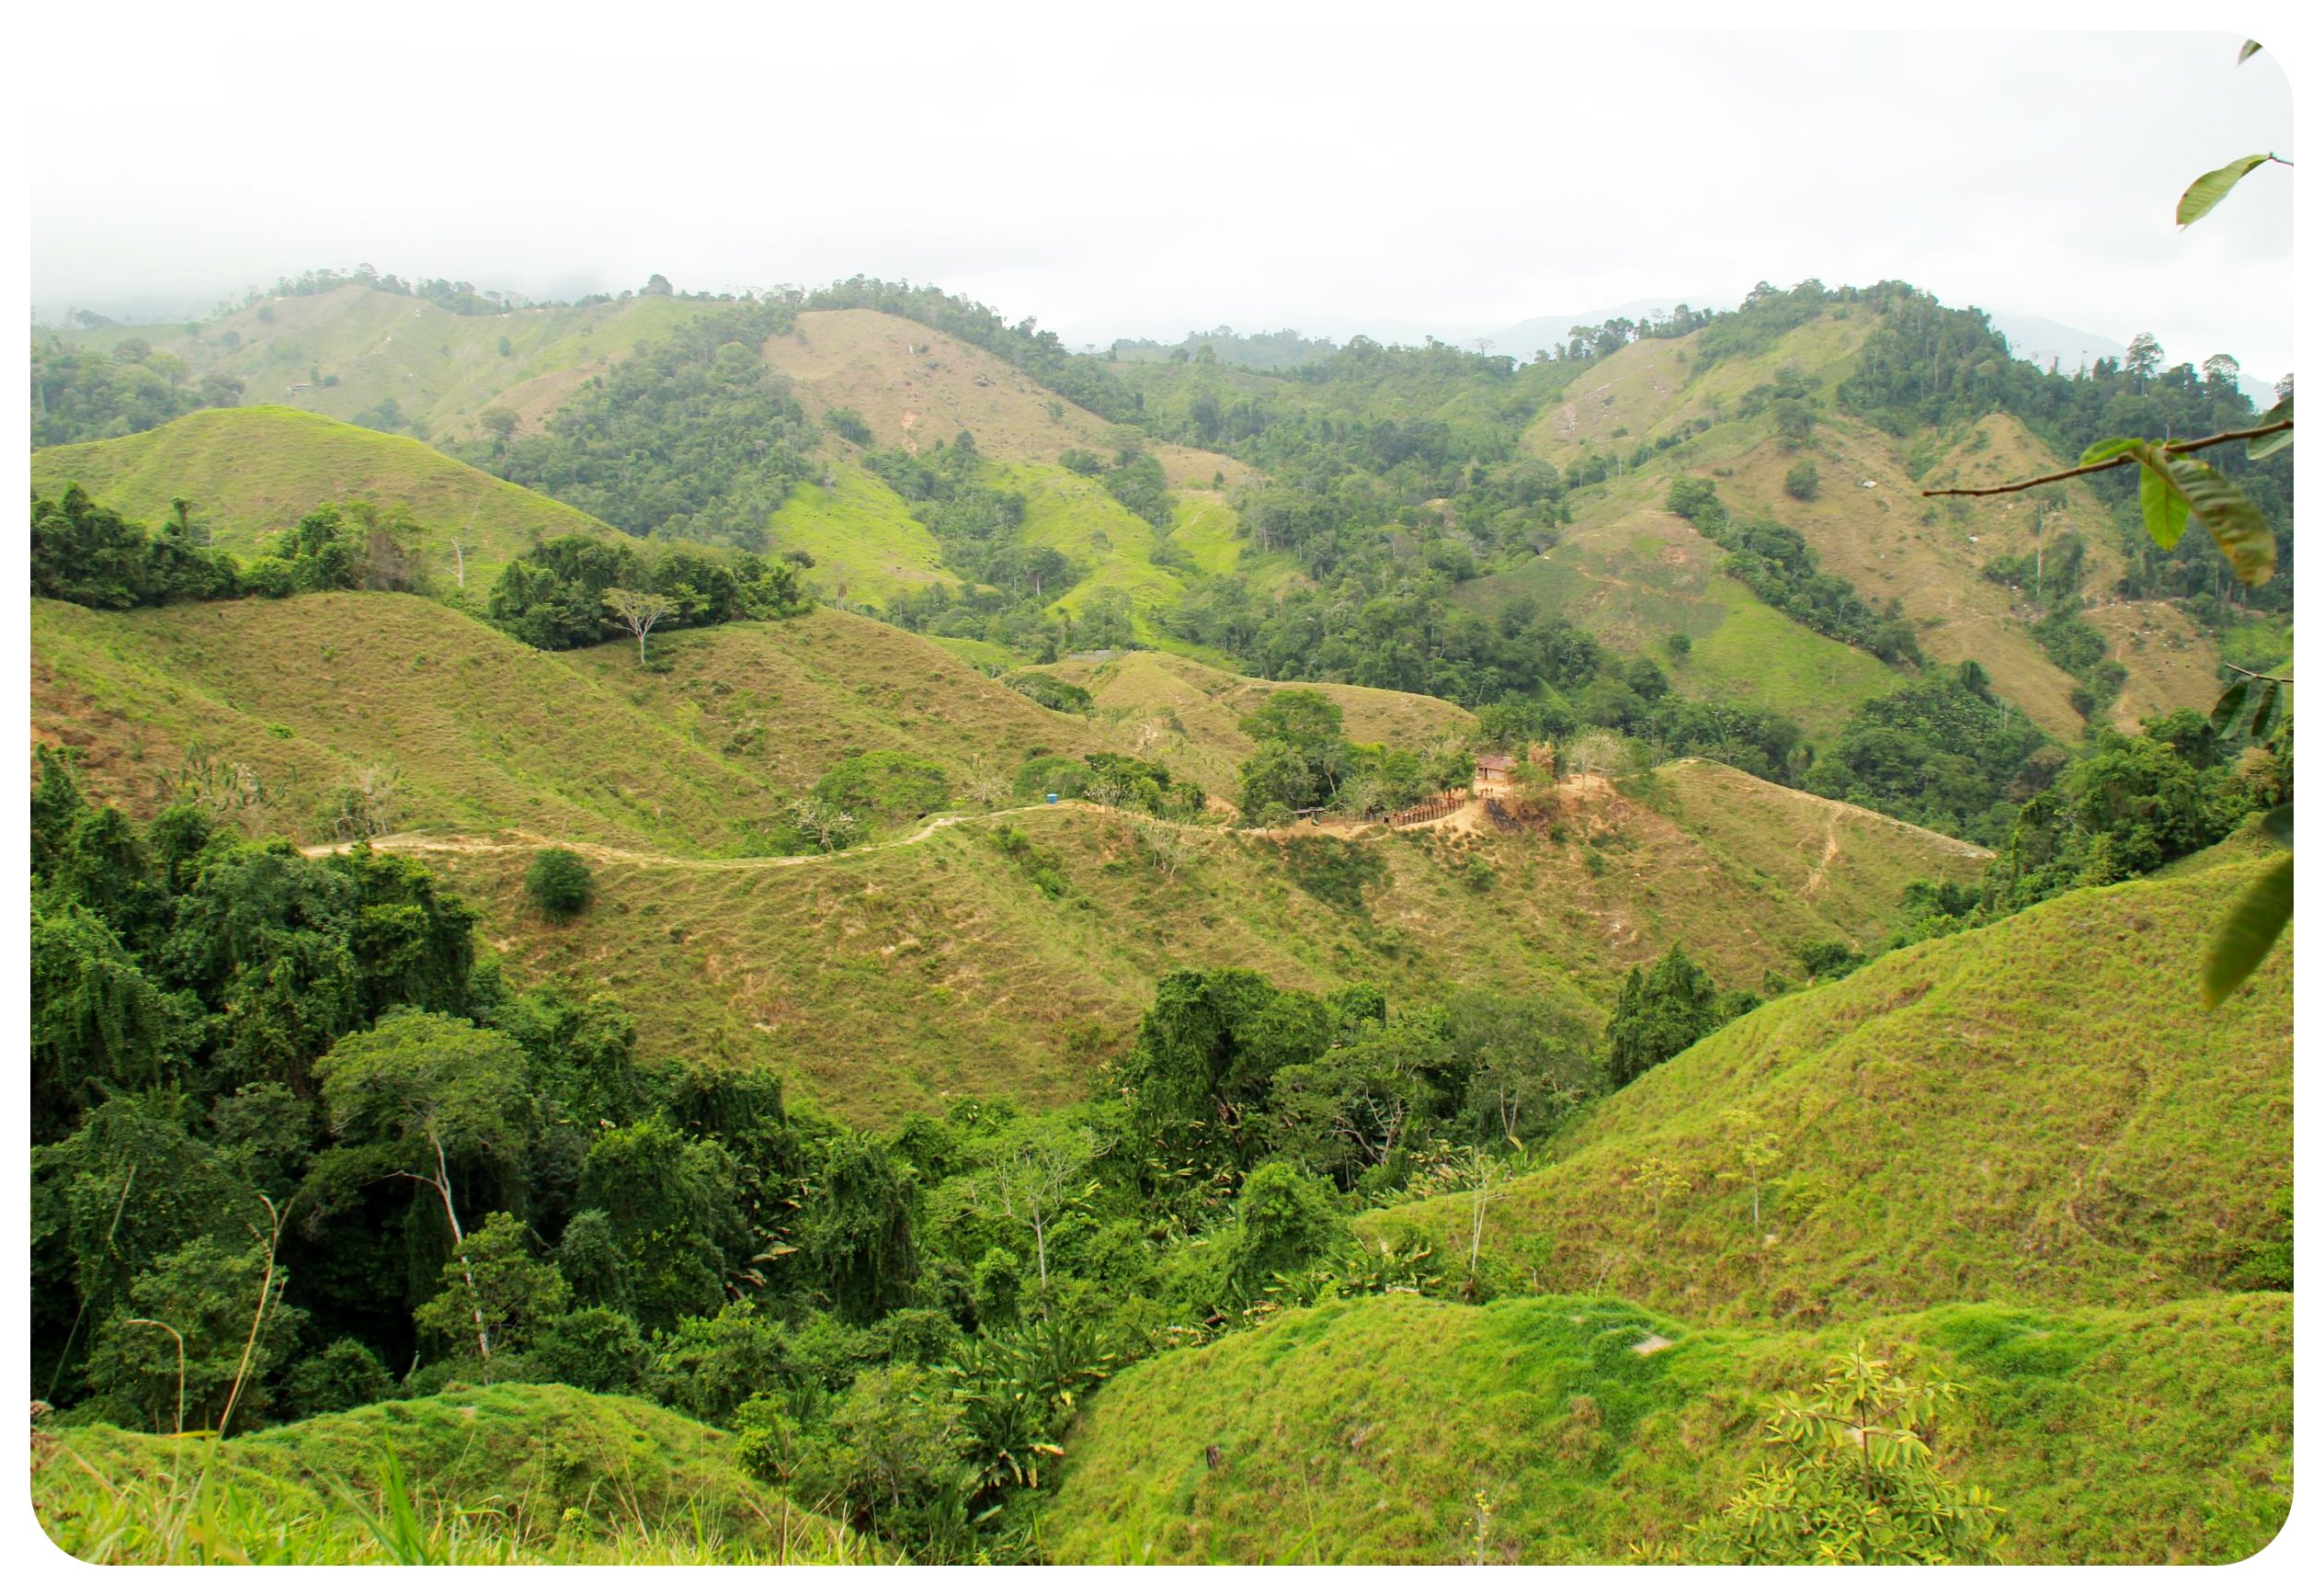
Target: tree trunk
[(443, 1183)]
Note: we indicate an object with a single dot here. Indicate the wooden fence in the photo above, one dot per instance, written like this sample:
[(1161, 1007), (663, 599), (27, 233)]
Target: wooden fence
[(1428, 809)]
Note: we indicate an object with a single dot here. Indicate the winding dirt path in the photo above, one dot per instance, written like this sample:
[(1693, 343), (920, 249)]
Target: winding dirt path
[(423, 842), (1831, 851)]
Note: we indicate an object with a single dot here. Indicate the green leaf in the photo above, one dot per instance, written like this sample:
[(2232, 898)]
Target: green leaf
[(2108, 449), (2212, 187), (2264, 716), (2234, 522), (2159, 498), (2277, 824), (2261, 448), (2250, 47), (2230, 705), (2254, 921)]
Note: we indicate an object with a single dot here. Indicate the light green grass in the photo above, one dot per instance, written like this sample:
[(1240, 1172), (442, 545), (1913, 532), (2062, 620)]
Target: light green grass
[(867, 546), (1077, 516), (883, 981), (252, 472), (1208, 530), (487, 735), (975, 651), (2039, 1110), (1742, 651), (500, 1473), (1404, 1430)]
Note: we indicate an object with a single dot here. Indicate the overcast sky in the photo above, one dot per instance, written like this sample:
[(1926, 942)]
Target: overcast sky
[(1146, 184)]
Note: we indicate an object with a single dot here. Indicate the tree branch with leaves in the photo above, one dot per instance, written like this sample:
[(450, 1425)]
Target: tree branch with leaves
[(2174, 490)]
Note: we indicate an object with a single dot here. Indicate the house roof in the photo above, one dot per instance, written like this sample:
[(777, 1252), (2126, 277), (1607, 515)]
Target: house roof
[(1495, 763)]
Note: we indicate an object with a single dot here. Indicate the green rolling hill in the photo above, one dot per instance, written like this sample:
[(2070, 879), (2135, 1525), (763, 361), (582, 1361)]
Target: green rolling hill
[(252, 472)]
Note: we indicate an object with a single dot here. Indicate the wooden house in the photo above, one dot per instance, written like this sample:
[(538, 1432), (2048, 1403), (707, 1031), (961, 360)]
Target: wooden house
[(1496, 775)]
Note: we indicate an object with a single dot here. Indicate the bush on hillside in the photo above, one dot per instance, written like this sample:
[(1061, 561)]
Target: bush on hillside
[(1802, 482), (1049, 693), (885, 786), (559, 883)]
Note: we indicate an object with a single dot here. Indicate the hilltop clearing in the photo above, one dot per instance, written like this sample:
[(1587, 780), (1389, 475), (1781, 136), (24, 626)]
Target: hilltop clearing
[(2039, 1110), (1547, 1429), (252, 472)]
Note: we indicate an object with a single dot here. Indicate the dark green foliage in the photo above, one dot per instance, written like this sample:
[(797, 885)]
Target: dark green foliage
[(210, 1298), (2044, 577), (1049, 692), (1135, 480), (1661, 1011), (1942, 751), (1334, 871), (1803, 482), (344, 1375), (856, 1234), (973, 522), (494, 1287), (1303, 761), (554, 597), (559, 882), (86, 554), (693, 437), (2128, 805), (80, 394), (597, 1349), (668, 1208), (1284, 1221), (1126, 783)]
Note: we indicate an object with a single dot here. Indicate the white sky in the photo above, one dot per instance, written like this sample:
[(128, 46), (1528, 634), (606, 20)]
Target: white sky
[(1114, 184)]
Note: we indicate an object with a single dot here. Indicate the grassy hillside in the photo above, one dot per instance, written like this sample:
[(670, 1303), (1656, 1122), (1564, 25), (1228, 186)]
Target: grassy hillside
[(2173, 664), (866, 545), (254, 471), (1635, 574), (343, 352), (914, 386), (527, 1474), (2039, 1110), (1403, 1430), (882, 980), (483, 733)]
